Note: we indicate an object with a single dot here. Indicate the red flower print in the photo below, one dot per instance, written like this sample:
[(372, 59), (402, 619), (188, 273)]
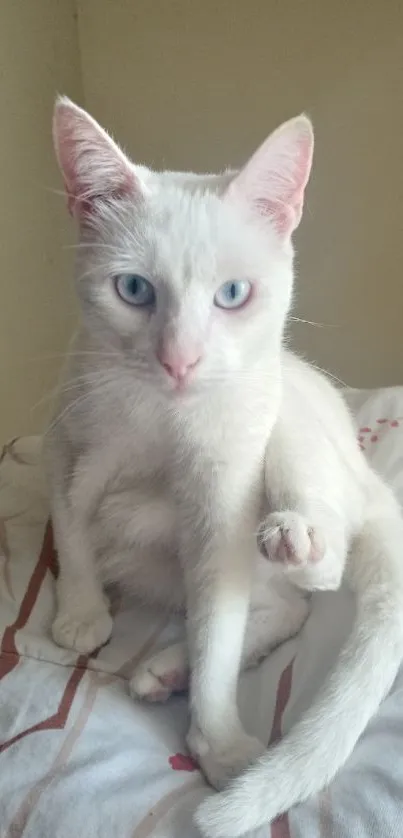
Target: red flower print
[(182, 762)]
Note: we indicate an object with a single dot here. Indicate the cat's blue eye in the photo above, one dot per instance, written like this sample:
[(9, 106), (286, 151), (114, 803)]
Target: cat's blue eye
[(233, 294), (135, 290)]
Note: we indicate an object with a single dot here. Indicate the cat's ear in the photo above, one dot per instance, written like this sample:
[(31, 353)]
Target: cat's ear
[(92, 164), (272, 183)]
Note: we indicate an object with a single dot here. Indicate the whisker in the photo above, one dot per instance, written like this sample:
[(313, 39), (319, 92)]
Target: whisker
[(89, 246), (105, 266), (51, 189), (73, 354), (313, 323), (328, 374), (71, 385), (46, 398), (80, 400)]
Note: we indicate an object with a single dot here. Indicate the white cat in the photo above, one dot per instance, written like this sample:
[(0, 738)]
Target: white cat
[(187, 438)]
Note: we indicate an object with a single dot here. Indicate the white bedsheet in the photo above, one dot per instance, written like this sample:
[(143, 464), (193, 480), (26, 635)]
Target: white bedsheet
[(79, 759)]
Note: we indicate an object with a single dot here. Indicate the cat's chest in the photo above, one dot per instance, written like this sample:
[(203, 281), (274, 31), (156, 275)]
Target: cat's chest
[(134, 439), (153, 443)]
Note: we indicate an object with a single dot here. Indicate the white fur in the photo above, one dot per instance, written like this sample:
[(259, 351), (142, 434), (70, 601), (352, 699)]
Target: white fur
[(170, 492)]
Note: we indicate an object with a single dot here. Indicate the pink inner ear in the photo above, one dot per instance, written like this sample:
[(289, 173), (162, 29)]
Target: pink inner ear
[(287, 214), (273, 181), (282, 215), (78, 205), (93, 166)]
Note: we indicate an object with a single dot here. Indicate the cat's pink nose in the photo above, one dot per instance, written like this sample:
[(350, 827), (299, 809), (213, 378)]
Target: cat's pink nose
[(177, 365)]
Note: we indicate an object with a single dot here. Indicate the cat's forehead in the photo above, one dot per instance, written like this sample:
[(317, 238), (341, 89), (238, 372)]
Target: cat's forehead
[(183, 233), (191, 219), (181, 237)]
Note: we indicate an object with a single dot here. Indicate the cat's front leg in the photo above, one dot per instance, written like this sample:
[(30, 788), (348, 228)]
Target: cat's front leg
[(83, 622), (218, 553), (304, 532), (298, 545), (218, 602), (224, 761)]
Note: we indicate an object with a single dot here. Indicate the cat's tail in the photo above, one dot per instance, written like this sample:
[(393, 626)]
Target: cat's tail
[(308, 758)]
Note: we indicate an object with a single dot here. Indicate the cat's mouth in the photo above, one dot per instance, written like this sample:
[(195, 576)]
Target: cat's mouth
[(181, 386)]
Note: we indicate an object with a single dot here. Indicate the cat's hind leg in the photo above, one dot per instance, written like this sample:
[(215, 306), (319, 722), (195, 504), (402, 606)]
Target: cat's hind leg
[(163, 673), (275, 618)]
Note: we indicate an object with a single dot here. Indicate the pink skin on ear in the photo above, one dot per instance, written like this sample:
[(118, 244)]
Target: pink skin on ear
[(93, 166), (272, 184)]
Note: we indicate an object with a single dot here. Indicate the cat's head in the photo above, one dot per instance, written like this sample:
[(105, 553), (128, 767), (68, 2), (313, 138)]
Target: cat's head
[(189, 278)]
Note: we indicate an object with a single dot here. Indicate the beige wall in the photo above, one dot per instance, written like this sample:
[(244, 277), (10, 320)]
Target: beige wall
[(38, 56), (195, 84), (199, 84)]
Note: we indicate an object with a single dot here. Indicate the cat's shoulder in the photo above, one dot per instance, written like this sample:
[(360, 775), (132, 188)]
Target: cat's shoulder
[(306, 385)]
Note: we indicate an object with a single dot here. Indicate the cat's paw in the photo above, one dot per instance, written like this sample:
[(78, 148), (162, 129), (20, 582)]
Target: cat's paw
[(83, 632), (222, 763), (156, 678), (287, 538)]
